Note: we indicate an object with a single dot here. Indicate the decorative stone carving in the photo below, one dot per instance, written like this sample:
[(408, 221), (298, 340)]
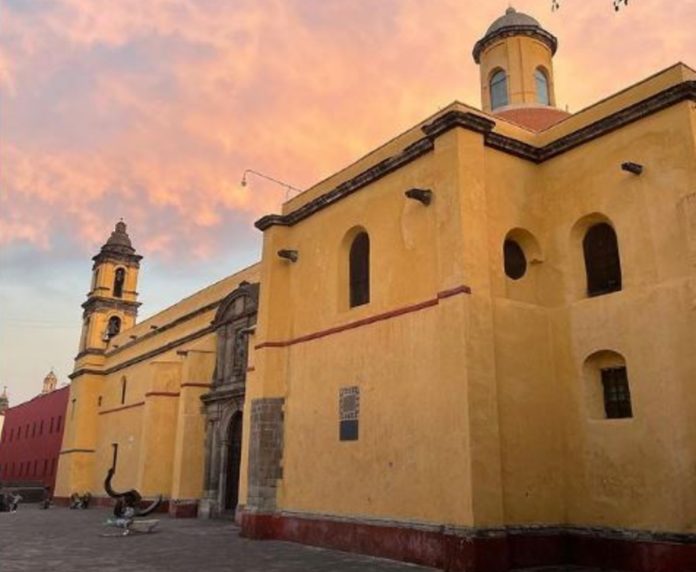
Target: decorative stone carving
[(224, 404)]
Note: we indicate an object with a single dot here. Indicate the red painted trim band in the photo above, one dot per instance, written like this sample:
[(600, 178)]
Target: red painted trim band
[(138, 404), (162, 394), (206, 385), (366, 321), (453, 292)]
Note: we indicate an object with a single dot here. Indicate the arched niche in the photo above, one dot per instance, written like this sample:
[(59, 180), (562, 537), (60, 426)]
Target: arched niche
[(595, 257), (521, 256), (607, 386)]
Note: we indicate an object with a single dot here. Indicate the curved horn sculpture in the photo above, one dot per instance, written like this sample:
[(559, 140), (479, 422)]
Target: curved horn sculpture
[(107, 485), (130, 499), (153, 507)]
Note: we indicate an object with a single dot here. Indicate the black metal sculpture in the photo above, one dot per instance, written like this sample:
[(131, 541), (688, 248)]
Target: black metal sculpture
[(127, 507)]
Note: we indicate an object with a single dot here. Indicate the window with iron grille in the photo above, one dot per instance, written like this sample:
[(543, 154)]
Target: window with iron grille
[(349, 413), (617, 396), (602, 263)]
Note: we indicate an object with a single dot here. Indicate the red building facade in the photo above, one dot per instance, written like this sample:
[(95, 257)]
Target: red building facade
[(31, 439)]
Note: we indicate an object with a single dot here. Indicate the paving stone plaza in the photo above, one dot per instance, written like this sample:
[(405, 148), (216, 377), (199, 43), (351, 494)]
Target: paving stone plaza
[(61, 540)]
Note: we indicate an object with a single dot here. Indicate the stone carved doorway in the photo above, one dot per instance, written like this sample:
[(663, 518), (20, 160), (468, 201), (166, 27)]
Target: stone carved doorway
[(234, 322), (234, 460)]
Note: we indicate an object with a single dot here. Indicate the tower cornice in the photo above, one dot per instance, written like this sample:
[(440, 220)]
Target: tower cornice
[(98, 303), (534, 32), (129, 260)]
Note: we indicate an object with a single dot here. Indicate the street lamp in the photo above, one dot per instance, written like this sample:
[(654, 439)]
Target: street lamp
[(288, 187)]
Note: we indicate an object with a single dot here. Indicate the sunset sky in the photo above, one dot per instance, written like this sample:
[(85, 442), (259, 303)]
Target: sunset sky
[(151, 110)]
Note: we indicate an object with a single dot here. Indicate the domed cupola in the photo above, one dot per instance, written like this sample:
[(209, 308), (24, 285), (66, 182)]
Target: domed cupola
[(516, 61), (119, 243)]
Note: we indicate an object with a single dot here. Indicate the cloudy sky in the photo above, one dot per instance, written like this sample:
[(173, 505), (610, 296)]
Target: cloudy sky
[(151, 111)]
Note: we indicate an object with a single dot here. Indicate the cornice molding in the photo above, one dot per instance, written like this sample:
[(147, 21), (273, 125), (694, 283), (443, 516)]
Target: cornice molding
[(168, 326), (128, 260), (90, 352), (534, 32), (455, 118), (685, 91), (129, 307), (374, 173), (157, 351), (85, 371)]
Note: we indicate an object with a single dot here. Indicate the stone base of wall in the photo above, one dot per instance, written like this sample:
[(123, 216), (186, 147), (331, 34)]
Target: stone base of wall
[(470, 550)]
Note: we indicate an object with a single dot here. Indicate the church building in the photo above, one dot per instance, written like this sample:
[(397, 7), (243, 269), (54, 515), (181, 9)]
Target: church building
[(469, 349)]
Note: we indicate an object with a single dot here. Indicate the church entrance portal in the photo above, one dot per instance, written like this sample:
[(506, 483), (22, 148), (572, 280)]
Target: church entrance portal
[(234, 459)]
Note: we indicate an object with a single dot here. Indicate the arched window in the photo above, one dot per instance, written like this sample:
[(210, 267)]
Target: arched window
[(360, 270), (514, 260), (602, 263), (113, 327), (542, 87), (498, 87), (119, 279)]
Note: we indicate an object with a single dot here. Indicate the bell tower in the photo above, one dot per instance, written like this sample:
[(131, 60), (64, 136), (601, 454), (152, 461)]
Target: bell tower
[(515, 57), (50, 383), (112, 302), (111, 307)]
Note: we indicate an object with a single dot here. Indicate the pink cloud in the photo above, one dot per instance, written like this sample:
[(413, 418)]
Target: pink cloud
[(154, 109)]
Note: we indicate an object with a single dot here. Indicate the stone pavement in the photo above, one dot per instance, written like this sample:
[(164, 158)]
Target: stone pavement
[(62, 540)]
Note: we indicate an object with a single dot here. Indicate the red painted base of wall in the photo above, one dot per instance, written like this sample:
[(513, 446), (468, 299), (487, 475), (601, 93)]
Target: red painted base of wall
[(61, 501), (183, 508), (108, 502), (486, 552)]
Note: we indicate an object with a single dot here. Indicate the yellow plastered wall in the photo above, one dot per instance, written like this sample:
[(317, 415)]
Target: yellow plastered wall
[(417, 402), (167, 362), (485, 394)]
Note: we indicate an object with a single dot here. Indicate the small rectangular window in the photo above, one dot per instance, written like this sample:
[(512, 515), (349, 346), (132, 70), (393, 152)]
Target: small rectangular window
[(617, 396)]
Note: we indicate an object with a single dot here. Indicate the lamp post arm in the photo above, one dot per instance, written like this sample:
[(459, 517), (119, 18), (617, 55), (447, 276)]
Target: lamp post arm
[(284, 184)]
